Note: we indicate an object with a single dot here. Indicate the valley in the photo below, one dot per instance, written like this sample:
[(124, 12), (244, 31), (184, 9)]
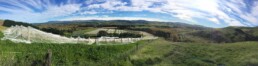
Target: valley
[(128, 32), (176, 45)]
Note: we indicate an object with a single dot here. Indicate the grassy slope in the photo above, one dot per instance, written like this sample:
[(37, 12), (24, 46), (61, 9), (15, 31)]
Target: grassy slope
[(65, 54), (162, 53), (251, 31), (2, 28), (158, 52), (153, 49)]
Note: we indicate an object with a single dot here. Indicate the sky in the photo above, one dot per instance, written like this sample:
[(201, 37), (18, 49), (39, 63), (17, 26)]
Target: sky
[(210, 13)]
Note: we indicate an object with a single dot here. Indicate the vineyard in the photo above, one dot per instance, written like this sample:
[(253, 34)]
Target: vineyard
[(32, 35), (28, 46), (145, 35)]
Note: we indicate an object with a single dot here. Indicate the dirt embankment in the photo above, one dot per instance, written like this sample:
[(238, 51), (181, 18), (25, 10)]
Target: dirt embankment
[(1, 22), (1, 25)]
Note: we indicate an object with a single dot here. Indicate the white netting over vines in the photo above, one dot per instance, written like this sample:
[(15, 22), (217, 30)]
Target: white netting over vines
[(32, 35), (29, 34)]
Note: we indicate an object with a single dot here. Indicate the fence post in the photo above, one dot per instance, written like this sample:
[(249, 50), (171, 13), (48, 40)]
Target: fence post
[(48, 58), (121, 40), (95, 40)]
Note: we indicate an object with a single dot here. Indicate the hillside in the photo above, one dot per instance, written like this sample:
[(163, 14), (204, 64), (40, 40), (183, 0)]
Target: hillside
[(164, 53), (128, 32), (9, 23), (122, 23), (31, 35), (229, 34), (145, 53), (176, 46), (172, 31)]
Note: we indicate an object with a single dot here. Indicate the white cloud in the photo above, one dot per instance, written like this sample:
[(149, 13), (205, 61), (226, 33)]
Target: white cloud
[(89, 12), (239, 6), (215, 20), (27, 14), (254, 10), (183, 9), (235, 23), (216, 11), (250, 18), (202, 9)]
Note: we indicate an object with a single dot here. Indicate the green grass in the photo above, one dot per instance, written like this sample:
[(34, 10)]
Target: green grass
[(144, 53), (163, 53), (232, 54), (153, 49), (62, 54), (2, 28), (34, 54)]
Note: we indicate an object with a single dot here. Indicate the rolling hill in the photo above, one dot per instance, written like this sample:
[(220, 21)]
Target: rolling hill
[(173, 31), (132, 23), (9, 23), (178, 45)]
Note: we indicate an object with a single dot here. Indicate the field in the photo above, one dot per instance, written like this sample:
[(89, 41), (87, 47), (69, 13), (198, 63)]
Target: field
[(162, 53), (32, 35), (145, 34), (143, 53), (65, 54), (176, 46), (22, 54)]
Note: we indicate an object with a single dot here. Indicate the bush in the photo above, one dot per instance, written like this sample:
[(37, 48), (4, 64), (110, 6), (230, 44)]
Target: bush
[(121, 35), (9, 23), (102, 33)]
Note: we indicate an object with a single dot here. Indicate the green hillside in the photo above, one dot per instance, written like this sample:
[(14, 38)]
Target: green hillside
[(9, 23), (228, 34), (163, 53), (66, 54), (172, 31), (176, 46), (158, 52)]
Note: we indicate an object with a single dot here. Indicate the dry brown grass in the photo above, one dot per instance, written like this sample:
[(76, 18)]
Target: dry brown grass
[(1, 22), (1, 25)]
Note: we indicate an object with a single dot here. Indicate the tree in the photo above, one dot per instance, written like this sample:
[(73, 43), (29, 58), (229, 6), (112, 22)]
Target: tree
[(9, 23), (102, 33)]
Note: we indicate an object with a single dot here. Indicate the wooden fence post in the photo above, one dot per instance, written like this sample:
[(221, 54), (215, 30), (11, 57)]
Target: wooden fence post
[(48, 58), (121, 40)]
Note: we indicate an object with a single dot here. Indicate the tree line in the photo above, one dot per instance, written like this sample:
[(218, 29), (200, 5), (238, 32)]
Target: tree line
[(120, 35)]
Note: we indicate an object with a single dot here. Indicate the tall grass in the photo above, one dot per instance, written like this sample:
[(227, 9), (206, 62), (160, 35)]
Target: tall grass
[(163, 53), (62, 54)]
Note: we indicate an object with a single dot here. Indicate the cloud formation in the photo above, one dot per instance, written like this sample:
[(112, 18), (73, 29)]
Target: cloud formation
[(204, 12)]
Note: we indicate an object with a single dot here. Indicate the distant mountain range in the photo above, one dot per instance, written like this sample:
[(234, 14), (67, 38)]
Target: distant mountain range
[(127, 22), (98, 21)]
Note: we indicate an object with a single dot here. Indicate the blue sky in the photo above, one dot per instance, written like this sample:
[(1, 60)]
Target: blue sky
[(211, 13)]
